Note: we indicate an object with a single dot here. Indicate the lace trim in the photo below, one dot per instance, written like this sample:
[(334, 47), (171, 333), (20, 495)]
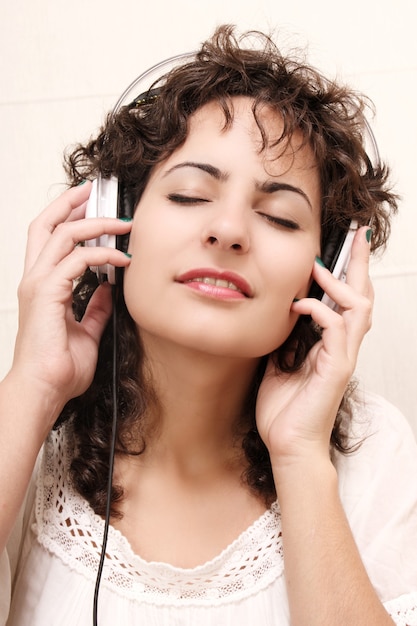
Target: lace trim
[(67, 526), (403, 610)]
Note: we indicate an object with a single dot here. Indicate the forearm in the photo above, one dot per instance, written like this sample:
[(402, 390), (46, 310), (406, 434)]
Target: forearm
[(55, 356), (326, 580), (26, 416)]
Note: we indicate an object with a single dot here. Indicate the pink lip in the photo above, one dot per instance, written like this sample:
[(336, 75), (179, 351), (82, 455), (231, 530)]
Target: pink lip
[(190, 278)]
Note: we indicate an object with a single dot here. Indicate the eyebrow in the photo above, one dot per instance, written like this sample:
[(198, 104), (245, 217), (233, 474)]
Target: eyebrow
[(205, 167), (273, 186), (267, 187)]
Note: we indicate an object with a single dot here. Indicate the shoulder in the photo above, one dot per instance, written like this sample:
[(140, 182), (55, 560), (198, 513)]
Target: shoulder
[(377, 428), (379, 477), (384, 449), (378, 489)]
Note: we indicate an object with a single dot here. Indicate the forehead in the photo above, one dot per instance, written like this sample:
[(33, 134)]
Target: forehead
[(250, 143), (244, 110), (259, 131)]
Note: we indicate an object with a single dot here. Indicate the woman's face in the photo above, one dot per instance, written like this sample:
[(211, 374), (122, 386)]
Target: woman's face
[(224, 237)]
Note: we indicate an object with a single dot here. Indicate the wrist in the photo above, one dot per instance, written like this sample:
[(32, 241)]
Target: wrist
[(297, 473), (29, 404)]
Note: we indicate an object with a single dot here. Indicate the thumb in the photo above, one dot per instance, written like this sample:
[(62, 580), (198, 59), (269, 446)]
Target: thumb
[(98, 312)]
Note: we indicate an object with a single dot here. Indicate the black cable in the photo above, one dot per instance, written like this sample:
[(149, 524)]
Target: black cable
[(111, 462)]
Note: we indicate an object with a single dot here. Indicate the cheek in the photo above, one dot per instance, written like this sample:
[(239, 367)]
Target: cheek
[(140, 278), (289, 272), (150, 237)]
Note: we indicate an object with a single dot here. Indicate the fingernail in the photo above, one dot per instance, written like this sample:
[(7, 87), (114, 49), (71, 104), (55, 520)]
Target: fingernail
[(125, 219), (129, 256), (296, 300), (319, 261), (368, 235), (81, 183)]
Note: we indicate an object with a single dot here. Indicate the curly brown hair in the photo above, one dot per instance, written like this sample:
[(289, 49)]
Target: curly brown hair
[(332, 121)]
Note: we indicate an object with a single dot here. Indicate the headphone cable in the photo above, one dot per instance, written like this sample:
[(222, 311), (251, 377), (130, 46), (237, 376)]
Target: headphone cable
[(111, 462)]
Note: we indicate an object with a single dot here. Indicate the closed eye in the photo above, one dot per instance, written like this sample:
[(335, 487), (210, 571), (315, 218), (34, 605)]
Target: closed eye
[(182, 199), (280, 221)]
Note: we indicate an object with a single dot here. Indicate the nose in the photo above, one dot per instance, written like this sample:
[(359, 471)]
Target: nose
[(227, 231)]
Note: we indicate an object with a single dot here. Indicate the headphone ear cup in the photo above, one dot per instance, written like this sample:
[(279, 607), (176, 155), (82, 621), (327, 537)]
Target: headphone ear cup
[(126, 202), (126, 208), (334, 242), (336, 257), (103, 202), (329, 255)]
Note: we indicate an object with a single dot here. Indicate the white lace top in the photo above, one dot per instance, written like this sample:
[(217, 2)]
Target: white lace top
[(60, 539)]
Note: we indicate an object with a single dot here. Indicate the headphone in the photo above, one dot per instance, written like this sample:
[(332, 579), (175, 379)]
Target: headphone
[(109, 199)]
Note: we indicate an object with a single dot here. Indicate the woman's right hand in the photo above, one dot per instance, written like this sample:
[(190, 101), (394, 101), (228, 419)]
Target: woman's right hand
[(54, 354)]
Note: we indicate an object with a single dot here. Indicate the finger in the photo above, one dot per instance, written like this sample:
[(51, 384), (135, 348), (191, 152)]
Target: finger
[(78, 213), (66, 237), (74, 265), (358, 269), (344, 295), (57, 212), (347, 297), (357, 277), (98, 312), (344, 329), (330, 321)]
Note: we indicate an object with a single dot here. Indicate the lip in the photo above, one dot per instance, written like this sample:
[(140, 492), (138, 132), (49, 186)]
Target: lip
[(194, 276)]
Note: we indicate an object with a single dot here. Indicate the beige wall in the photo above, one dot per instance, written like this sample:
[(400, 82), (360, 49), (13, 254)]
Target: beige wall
[(64, 63)]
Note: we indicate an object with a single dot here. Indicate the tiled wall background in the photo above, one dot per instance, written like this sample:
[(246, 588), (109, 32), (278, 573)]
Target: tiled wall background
[(63, 64)]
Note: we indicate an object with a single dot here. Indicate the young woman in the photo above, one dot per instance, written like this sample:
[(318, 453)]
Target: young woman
[(252, 482)]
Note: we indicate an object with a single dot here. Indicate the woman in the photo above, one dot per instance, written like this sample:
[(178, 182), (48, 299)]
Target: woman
[(252, 483)]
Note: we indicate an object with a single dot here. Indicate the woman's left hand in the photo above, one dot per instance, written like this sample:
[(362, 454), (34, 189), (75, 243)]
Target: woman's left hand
[(296, 411)]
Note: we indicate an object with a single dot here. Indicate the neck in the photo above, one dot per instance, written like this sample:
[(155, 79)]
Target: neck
[(201, 404)]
